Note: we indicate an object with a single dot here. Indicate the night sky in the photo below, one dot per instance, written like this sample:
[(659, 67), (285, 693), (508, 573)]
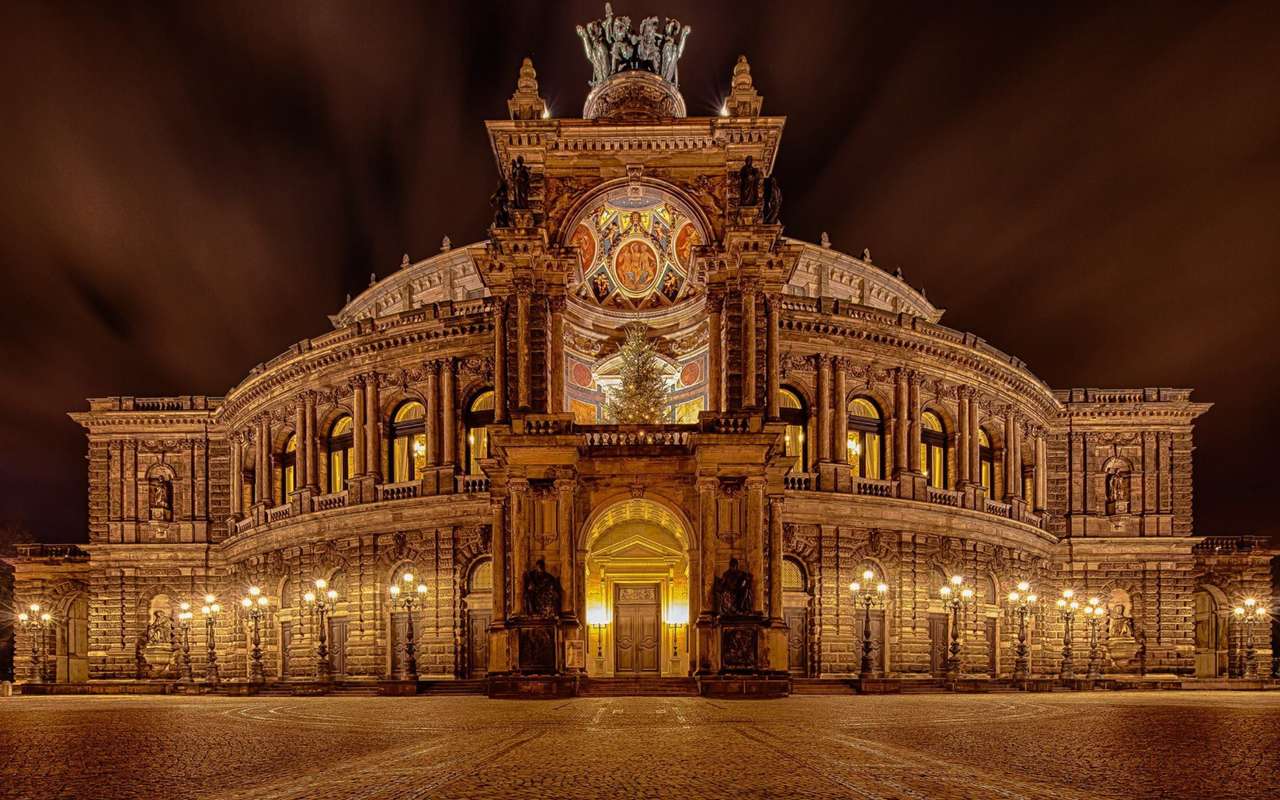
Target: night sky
[(188, 190)]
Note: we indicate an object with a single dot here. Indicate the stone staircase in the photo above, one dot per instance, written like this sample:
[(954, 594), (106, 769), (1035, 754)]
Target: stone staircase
[(477, 686), (641, 686), (822, 686)]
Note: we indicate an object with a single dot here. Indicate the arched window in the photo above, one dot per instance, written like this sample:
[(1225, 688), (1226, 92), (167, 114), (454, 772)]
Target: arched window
[(986, 463), (289, 468), (793, 576), (792, 411), (340, 449), (408, 441), (479, 415), (933, 450), (866, 439)]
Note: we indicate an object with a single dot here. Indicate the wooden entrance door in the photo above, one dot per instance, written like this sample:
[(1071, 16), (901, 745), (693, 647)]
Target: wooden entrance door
[(286, 644), (637, 637), (478, 642), (338, 645), (993, 642), (938, 644), (797, 620), (399, 633)]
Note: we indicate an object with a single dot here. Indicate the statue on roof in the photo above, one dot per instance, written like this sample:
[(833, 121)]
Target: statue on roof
[(611, 46)]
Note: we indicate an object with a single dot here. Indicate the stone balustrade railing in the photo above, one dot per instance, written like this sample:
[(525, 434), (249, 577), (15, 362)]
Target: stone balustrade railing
[(282, 511), (328, 502), (999, 509), (800, 481), (397, 491), (945, 497), (874, 487), (468, 484), (56, 552), (638, 436), (1228, 545)]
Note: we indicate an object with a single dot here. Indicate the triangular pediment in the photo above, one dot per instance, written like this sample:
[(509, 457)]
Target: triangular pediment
[(637, 547)]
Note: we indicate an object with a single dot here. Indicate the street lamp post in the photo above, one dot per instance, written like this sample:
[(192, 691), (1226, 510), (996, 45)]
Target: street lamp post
[(412, 596), (1067, 608), (867, 595), (184, 626), (1247, 615), (677, 618), (322, 600), (1023, 601), (1093, 614), (598, 618), (35, 621), (210, 610), (255, 605), (954, 595)]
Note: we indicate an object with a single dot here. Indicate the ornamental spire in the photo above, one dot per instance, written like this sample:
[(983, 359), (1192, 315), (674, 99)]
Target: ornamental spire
[(744, 100), (526, 103)]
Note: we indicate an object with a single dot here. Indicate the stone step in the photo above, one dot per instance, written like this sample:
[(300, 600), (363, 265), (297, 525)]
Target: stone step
[(639, 687), (822, 686)]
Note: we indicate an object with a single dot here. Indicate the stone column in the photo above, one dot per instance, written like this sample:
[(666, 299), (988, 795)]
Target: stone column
[(913, 421), (555, 357), (237, 473), (755, 541), (372, 439), (715, 352), (1012, 457), (357, 427), (497, 544), (708, 500), (262, 473), (901, 429), (313, 444), (963, 474), (499, 359), (840, 414), (565, 536), (775, 556), (524, 354), (975, 444), (1042, 472), (824, 407), (748, 347), (448, 416), (300, 443), (431, 425), (518, 489), (772, 308)]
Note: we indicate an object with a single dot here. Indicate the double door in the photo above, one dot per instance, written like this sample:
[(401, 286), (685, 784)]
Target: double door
[(637, 636)]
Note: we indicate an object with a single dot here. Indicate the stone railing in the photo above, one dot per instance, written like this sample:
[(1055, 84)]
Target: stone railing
[(244, 523), (724, 423), (639, 436), (1228, 545), (469, 484), (397, 491), (999, 509), (328, 502), (874, 487), (283, 511), (800, 481), (945, 497), (53, 552)]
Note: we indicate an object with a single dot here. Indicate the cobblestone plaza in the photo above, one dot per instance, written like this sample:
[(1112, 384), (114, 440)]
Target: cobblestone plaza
[(1196, 744)]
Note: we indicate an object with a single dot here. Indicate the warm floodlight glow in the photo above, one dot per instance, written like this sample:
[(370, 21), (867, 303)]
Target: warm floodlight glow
[(597, 615)]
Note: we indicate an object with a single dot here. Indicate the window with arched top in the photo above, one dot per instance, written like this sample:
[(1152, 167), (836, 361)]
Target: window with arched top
[(933, 450), (866, 439), (481, 577), (986, 463), (340, 448), (478, 417), (792, 576), (408, 450), (792, 411), (289, 468)]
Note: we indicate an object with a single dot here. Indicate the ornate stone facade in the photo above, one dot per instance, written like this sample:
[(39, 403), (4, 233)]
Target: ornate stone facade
[(823, 423)]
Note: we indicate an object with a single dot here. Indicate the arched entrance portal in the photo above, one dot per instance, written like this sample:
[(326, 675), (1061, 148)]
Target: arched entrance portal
[(637, 591), (1212, 647)]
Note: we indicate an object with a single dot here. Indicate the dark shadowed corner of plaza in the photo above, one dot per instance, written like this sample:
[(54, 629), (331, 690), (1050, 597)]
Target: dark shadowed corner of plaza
[(489, 400)]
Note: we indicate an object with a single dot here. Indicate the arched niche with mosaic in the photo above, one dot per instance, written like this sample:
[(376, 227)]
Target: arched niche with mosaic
[(635, 249)]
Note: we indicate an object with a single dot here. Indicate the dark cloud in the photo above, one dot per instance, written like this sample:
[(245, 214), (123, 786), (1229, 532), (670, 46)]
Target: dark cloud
[(189, 189)]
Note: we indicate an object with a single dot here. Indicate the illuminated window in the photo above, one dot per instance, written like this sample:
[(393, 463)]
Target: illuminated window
[(792, 411), (933, 450), (289, 468), (479, 415), (408, 441), (340, 451), (986, 462), (865, 439)]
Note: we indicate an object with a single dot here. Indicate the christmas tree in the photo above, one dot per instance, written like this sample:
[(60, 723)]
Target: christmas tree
[(642, 397)]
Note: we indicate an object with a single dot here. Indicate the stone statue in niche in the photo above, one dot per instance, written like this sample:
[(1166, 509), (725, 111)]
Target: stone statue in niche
[(733, 591), (501, 203), (542, 592), (748, 184), (1117, 491), (1119, 624), (772, 201), (520, 180), (160, 631), (161, 499)]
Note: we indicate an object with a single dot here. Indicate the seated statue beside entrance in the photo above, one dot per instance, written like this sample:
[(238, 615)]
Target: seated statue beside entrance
[(732, 591), (542, 592)]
